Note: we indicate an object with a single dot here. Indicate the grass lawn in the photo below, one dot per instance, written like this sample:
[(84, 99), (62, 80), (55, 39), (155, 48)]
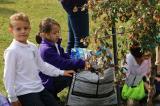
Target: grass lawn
[(36, 10)]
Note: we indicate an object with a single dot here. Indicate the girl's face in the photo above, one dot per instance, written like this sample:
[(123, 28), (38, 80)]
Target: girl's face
[(55, 33), (20, 31), (140, 60)]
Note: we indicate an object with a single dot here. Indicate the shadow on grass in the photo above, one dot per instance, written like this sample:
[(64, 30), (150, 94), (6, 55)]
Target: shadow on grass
[(7, 1), (6, 12)]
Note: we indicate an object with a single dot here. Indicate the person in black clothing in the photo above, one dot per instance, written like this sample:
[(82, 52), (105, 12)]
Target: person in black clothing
[(78, 22)]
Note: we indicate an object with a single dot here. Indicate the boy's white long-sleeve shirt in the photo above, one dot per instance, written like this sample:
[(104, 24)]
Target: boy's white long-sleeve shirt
[(21, 70)]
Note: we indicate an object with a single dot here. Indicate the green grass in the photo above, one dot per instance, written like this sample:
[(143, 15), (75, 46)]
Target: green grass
[(36, 10)]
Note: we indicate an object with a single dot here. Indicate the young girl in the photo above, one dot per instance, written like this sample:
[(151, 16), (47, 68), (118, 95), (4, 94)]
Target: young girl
[(138, 66), (22, 66), (52, 53)]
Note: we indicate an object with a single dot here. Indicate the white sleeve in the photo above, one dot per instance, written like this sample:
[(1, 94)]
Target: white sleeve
[(129, 63), (47, 68), (10, 74), (129, 59)]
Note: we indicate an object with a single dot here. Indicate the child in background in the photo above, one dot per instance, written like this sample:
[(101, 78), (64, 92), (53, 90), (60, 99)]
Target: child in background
[(22, 66), (52, 53), (138, 66), (137, 62)]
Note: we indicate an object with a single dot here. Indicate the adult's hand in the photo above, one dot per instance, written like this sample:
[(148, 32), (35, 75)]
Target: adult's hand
[(87, 65)]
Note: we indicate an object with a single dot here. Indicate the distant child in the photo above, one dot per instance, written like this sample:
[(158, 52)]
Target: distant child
[(137, 62), (51, 52), (22, 66), (138, 67)]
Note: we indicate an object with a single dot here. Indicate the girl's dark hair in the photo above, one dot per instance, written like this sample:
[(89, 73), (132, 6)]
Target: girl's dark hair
[(38, 38), (45, 27), (136, 50)]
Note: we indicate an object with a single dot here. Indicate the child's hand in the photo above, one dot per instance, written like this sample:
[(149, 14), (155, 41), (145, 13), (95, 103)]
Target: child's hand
[(68, 73), (158, 79), (17, 103), (87, 65)]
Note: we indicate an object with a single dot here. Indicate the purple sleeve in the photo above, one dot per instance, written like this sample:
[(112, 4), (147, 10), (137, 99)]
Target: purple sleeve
[(63, 54), (51, 57)]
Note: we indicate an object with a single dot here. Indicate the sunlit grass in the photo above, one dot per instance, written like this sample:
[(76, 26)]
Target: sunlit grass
[(36, 10)]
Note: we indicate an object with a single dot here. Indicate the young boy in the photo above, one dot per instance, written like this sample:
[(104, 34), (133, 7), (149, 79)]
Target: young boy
[(22, 66)]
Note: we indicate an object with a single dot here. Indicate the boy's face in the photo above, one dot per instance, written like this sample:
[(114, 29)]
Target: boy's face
[(20, 31), (55, 33)]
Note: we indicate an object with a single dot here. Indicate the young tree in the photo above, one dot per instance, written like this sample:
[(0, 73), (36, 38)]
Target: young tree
[(142, 18)]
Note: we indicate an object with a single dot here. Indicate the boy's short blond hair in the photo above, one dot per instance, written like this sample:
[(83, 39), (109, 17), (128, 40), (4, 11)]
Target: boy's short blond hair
[(18, 17)]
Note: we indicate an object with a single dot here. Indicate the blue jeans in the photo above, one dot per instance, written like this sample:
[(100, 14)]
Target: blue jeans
[(78, 25)]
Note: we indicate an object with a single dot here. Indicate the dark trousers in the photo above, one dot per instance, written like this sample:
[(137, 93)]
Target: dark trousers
[(60, 83), (78, 25), (43, 98)]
